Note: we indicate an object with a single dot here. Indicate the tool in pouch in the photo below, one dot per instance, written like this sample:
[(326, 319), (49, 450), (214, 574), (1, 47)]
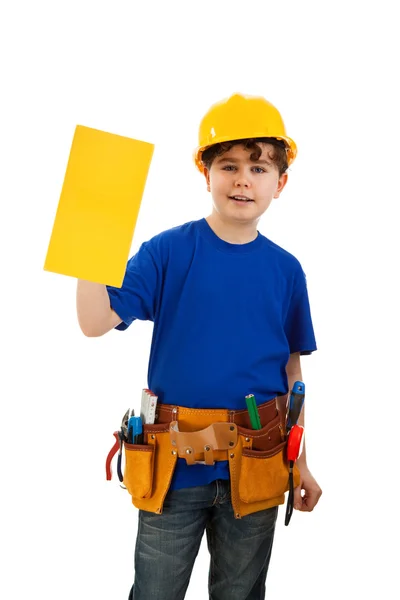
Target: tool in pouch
[(253, 412), (131, 431), (295, 437), (120, 437)]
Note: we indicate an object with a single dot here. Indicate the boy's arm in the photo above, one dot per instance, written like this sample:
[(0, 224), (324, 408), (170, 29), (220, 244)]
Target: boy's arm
[(95, 315), (312, 491)]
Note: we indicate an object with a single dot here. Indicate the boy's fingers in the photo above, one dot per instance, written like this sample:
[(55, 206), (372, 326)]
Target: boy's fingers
[(297, 498), (309, 501)]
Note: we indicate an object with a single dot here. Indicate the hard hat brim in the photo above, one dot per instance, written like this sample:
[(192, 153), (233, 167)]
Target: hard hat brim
[(289, 143)]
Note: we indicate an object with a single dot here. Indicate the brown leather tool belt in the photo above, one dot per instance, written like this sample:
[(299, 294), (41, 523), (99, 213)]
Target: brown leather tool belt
[(257, 462)]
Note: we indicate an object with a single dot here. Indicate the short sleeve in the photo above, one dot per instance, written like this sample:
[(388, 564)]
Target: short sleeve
[(298, 323), (138, 296)]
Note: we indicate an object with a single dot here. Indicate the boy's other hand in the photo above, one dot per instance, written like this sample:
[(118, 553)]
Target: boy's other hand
[(312, 491)]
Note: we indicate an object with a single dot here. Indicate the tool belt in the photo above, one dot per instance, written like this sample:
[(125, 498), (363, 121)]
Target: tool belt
[(259, 470)]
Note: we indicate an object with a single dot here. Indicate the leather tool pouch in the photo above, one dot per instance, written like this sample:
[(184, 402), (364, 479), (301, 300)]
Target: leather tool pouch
[(149, 468), (259, 468)]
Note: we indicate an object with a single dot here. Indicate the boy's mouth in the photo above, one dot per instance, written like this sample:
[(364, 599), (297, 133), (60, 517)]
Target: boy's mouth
[(242, 199)]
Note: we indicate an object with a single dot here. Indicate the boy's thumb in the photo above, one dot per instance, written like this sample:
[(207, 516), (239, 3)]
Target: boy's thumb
[(297, 498)]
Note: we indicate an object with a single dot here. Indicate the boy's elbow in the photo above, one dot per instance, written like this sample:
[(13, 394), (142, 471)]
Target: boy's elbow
[(90, 331), (91, 334), (100, 328)]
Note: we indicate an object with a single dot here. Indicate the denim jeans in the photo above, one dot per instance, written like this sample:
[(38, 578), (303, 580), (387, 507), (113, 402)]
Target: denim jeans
[(167, 546)]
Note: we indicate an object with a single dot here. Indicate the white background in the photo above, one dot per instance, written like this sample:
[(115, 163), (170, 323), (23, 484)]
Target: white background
[(150, 71)]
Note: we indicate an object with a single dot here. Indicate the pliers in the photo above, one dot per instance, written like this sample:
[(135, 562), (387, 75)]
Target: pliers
[(119, 437)]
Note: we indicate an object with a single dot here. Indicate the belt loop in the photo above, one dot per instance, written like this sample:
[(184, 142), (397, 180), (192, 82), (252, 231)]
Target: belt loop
[(174, 414)]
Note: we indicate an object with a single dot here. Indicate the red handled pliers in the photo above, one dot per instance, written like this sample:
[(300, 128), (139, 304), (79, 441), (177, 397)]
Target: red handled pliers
[(116, 448)]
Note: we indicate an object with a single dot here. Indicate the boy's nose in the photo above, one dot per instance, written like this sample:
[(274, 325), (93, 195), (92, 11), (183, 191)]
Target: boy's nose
[(242, 182)]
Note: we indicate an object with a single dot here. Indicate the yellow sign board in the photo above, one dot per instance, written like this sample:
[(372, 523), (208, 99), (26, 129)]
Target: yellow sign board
[(99, 206)]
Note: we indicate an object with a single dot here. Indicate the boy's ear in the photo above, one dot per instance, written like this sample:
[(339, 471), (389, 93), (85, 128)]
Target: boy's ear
[(281, 184), (207, 176)]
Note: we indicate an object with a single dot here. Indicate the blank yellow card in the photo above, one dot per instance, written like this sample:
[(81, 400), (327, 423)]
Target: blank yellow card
[(99, 206)]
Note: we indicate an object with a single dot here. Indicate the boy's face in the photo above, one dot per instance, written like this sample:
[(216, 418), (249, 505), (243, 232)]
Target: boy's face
[(234, 174)]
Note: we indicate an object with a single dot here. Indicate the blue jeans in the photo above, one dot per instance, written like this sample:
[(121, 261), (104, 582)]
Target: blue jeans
[(167, 546)]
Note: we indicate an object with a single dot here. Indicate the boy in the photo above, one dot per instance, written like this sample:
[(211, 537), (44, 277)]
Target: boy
[(231, 317)]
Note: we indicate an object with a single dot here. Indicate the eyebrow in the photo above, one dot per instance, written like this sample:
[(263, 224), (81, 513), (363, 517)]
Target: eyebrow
[(261, 162)]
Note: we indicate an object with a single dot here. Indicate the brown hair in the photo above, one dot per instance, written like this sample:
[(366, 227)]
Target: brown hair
[(279, 157)]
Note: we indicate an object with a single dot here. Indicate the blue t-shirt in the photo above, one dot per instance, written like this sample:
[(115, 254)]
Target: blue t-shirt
[(226, 318)]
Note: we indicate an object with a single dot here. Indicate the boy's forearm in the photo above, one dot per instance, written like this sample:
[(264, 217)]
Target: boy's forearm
[(93, 307)]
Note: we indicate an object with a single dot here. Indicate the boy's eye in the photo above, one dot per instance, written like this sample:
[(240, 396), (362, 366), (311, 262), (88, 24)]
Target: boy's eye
[(229, 167)]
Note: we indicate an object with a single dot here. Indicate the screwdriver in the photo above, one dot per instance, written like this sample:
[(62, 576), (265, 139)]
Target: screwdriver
[(296, 404)]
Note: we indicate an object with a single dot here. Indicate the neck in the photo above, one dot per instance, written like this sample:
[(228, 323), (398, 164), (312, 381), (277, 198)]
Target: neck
[(233, 233)]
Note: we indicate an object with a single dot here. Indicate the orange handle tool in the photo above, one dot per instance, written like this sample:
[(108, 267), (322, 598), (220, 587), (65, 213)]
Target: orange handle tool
[(111, 455)]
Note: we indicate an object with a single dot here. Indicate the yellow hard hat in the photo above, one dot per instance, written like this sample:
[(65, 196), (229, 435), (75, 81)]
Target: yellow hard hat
[(240, 117)]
